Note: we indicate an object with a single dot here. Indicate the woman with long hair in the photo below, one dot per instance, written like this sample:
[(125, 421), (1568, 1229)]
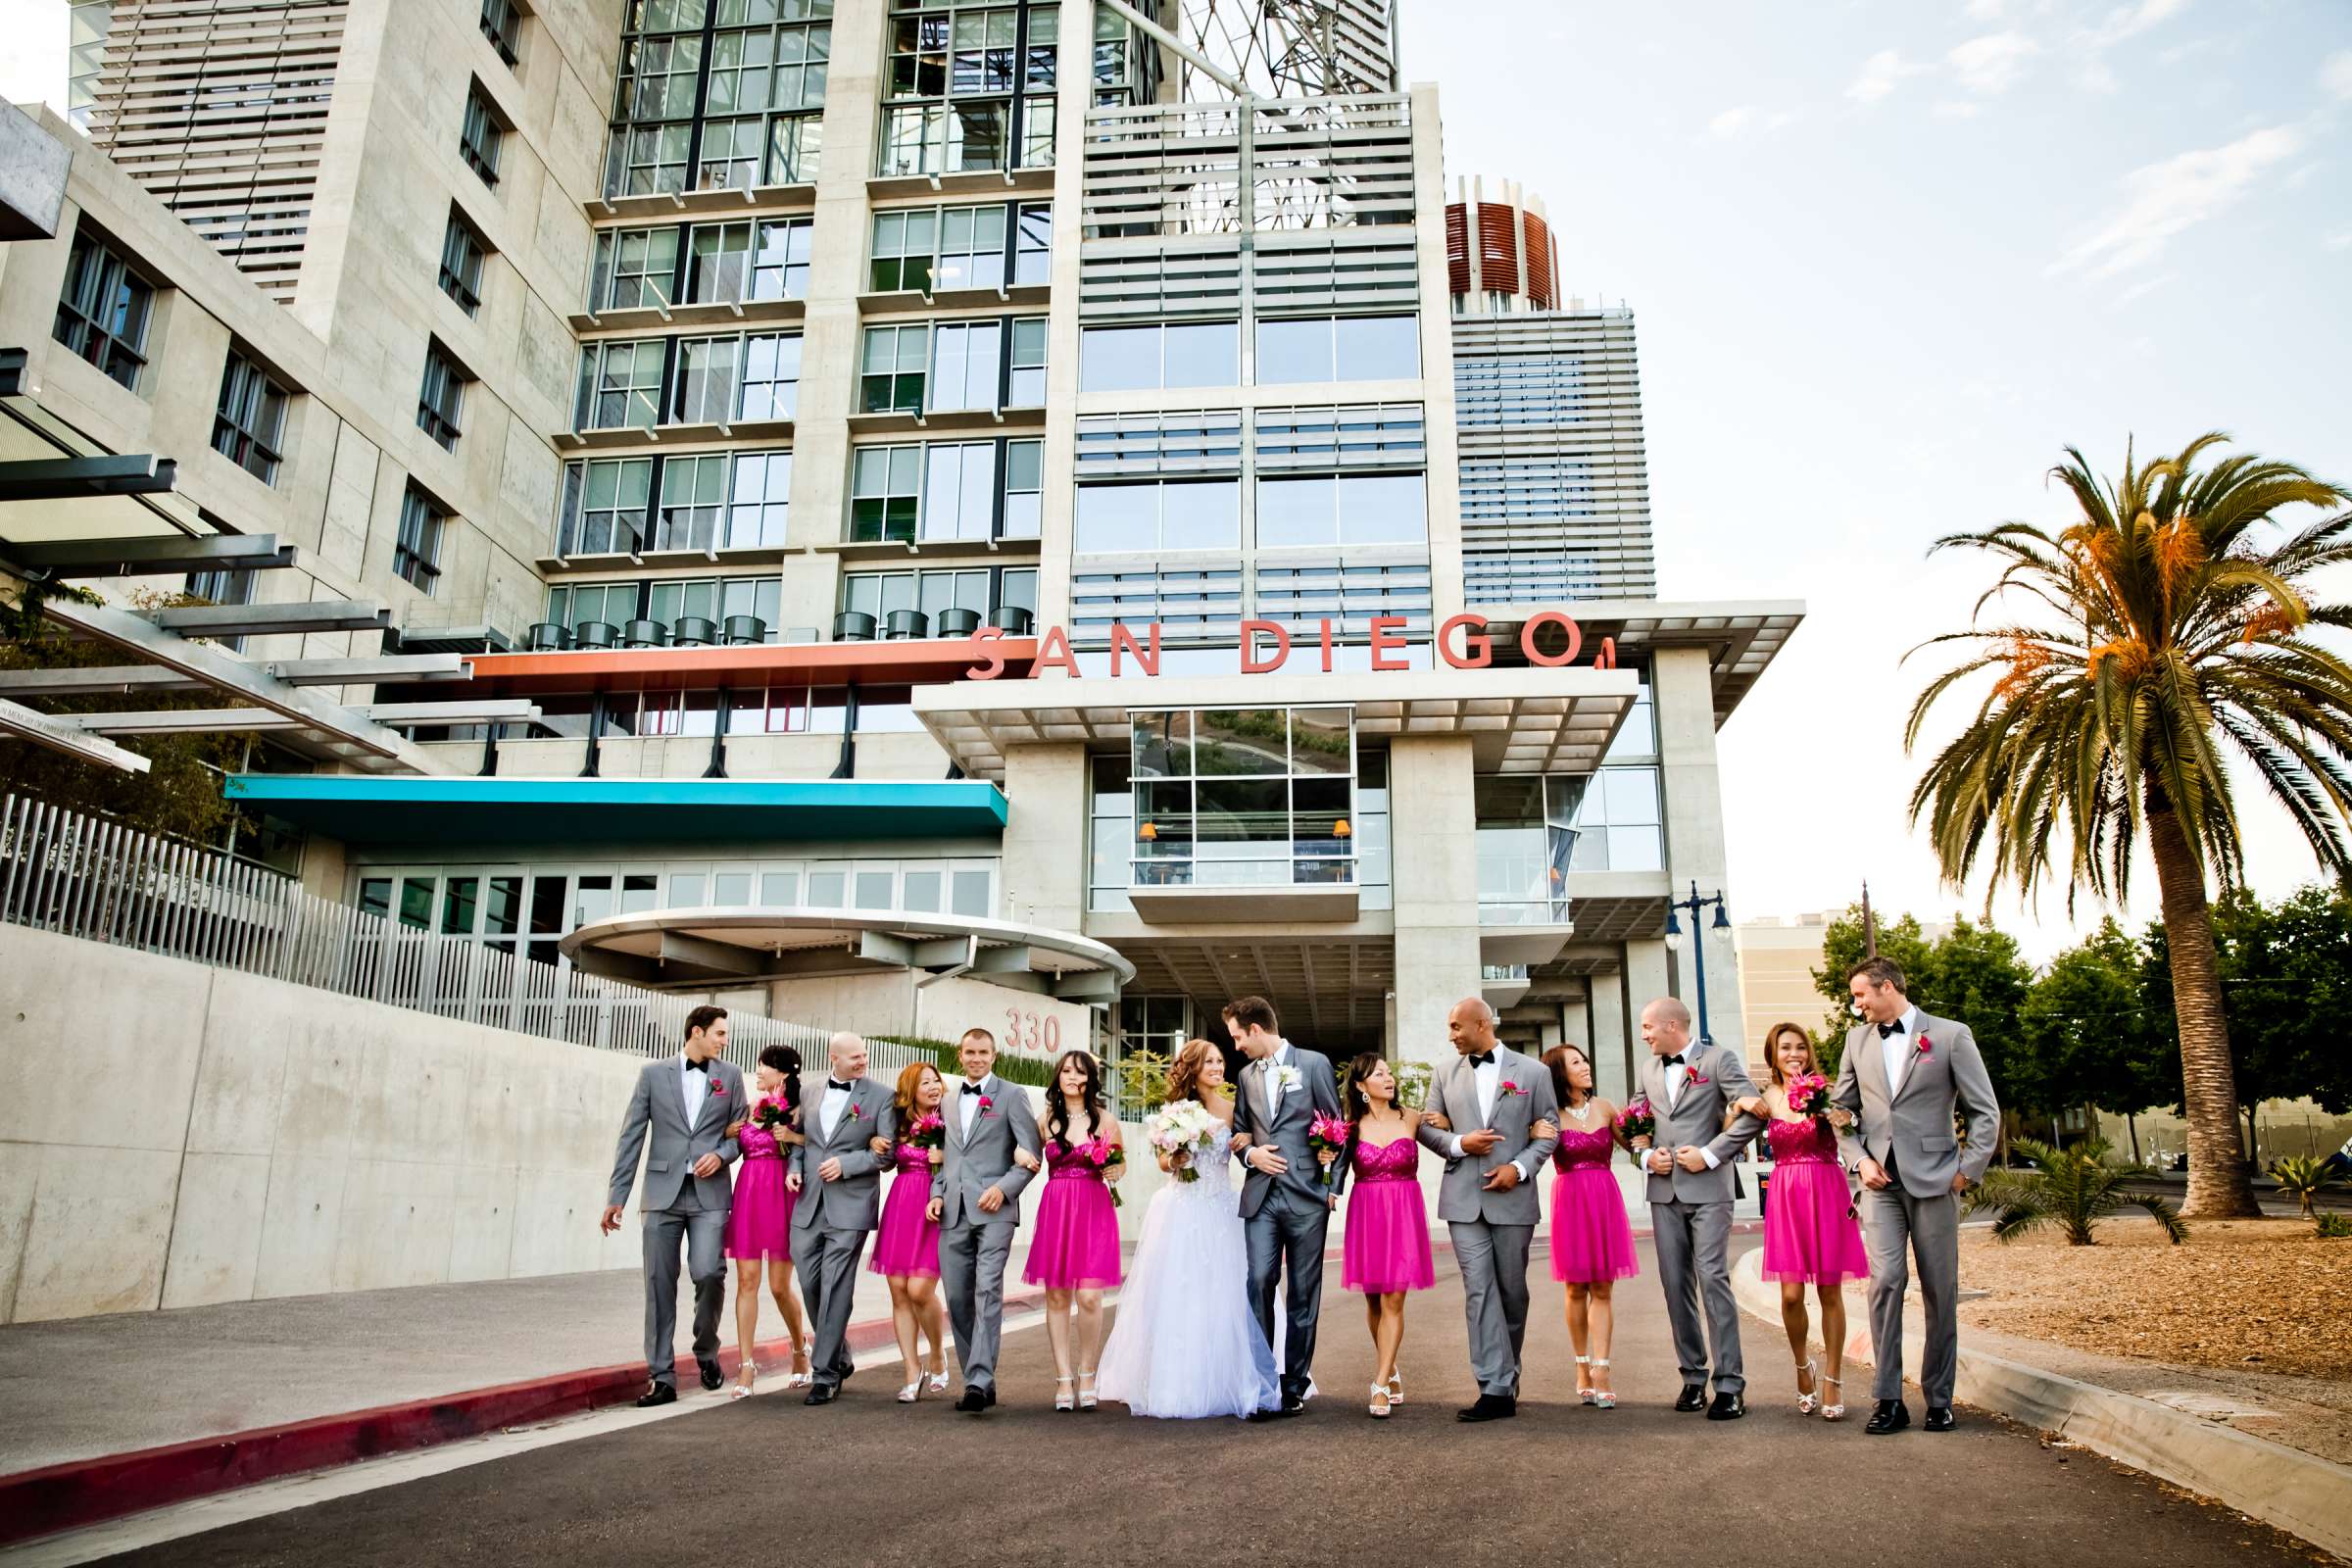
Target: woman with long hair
[(1810, 1234), (1185, 1345), (906, 1241), (1591, 1240), (759, 1222), (1386, 1251), (1074, 1244)]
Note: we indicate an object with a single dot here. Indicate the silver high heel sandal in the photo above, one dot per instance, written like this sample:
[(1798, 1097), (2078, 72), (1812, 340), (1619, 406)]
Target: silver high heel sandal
[(1395, 1389), (1382, 1403), (1584, 1396), (938, 1381), (1807, 1403), (744, 1376), (1835, 1412), (1602, 1399), (804, 1376), (1086, 1395), (1062, 1401), (912, 1390)]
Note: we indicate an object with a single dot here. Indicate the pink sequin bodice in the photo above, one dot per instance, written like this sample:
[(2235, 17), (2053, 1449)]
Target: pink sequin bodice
[(756, 1141), (1066, 1163), (1579, 1149), (1802, 1142), (1396, 1161), (910, 1158)]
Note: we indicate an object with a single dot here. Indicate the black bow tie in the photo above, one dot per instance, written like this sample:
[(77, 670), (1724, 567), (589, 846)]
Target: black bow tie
[(1894, 1028), (702, 1067), (1483, 1058), (835, 1083), (1674, 1060), (973, 1087)]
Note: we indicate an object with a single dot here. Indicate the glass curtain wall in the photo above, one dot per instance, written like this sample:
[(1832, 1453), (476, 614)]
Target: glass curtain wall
[(1249, 797)]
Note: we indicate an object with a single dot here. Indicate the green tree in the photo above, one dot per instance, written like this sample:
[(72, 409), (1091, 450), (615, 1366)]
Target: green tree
[(1972, 972), (2176, 616), (2091, 1039), (1841, 947)]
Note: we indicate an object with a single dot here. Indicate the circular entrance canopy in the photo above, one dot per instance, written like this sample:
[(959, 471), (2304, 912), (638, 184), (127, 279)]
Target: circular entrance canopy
[(696, 948)]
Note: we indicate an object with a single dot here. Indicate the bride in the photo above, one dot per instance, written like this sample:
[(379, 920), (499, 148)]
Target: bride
[(1184, 1344)]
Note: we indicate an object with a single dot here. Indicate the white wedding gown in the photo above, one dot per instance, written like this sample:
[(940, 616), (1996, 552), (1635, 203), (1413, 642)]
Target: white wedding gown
[(1184, 1344)]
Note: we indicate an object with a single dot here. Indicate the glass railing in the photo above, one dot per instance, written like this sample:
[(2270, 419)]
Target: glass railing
[(1268, 870), (1494, 911)]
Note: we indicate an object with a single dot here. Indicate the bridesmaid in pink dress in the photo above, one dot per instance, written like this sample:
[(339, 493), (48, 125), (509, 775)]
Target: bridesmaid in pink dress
[(906, 1241), (760, 1223), (1074, 1241), (1591, 1240), (1810, 1234), (1386, 1251)]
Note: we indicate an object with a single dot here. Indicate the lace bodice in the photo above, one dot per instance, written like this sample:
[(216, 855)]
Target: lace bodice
[(1800, 1143), (1390, 1163), (1580, 1149)]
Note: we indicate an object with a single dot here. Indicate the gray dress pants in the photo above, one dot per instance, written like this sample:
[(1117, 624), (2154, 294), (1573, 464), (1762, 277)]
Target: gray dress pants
[(971, 1276), (1693, 1243), (704, 1234)]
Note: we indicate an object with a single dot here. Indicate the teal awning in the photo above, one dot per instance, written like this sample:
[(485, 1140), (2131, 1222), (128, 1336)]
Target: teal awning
[(371, 809)]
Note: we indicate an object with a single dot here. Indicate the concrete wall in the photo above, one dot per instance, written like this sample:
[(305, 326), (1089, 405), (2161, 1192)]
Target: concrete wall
[(893, 1004), (172, 1135)]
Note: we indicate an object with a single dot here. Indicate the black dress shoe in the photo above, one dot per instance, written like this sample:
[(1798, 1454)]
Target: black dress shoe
[(659, 1394), (712, 1377), (991, 1392), (1892, 1415), (1256, 1416), (1727, 1407), (1489, 1407), (823, 1393), (1693, 1397), (974, 1401), (1940, 1418), (1292, 1404)]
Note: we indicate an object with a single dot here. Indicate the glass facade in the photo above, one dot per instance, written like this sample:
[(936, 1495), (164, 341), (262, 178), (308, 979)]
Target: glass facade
[(968, 87), (1245, 797), (718, 95)]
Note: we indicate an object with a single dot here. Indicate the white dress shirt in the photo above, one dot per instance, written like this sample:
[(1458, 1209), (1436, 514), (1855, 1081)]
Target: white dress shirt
[(829, 1108), (1677, 1073), (1488, 1079), (1895, 1048), (1281, 1057), (691, 1087), (968, 1102)]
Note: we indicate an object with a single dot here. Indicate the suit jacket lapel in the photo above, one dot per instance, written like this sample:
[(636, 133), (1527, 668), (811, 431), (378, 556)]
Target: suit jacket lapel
[(668, 1072), (1910, 1059)]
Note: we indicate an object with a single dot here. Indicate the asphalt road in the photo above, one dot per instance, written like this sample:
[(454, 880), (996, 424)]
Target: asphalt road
[(869, 1482)]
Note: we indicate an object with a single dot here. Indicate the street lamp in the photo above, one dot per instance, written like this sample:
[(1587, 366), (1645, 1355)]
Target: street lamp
[(1674, 941)]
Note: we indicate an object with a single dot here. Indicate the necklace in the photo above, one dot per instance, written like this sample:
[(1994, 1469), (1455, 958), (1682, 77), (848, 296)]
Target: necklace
[(1580, 1114)]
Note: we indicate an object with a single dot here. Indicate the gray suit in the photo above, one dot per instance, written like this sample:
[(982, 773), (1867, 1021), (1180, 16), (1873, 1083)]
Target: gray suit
[(1285, 1217), (1491, 1231), (975, 1247), (679, 1205), (1907, 1128), (831, 1220), (1691, 1211)]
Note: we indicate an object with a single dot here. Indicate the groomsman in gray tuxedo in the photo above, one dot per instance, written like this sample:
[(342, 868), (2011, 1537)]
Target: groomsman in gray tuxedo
[(1482, 1117), (1689, 1086), (1286, 1209), (1907, 1076), (838, 1177), (685, 1103), (992, 1150)]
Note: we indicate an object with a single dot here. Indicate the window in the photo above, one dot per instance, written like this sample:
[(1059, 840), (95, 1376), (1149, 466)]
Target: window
[(735, 261), (891, 373), (1133, 359), (885, 493), (442, 397), (610, 603), (905, 244), (478, 141), (218, 587), (502, 24), (603, 507), (980, 589), (251, 421), (960, 490), (462, 252), (771, 376), (1025, 385), (758, 114), (416, 552), (1364, 435), (963, 364), (693, 491), (780, 259), (970, 87), (1024, 490), (1033, 244), (102, 312), (1170, 514), (620, 384), (635, 268), (1345, 347), (971, 247), (1353, 509), (704, 392), (1243, 797), (758, 501)]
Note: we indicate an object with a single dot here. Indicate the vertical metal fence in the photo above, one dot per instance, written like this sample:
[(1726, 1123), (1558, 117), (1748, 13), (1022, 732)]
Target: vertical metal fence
[(83, 876)]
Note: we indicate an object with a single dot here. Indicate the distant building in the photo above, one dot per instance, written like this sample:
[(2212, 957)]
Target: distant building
[(1776, 960)]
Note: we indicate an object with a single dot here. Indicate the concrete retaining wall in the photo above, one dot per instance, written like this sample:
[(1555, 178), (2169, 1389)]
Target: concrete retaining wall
[(172, 1135)]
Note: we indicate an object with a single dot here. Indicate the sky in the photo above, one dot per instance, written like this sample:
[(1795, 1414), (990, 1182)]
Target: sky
[(1887, 258)]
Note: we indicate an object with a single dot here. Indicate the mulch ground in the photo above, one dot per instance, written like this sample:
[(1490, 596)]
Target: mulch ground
[(2251, 1294)]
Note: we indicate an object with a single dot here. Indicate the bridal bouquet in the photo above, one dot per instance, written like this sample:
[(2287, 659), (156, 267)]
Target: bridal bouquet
[(1808, 1095), (772, 1116), (1327, 1136), (1636, 1121), (928, 1131), (1177, 1131)]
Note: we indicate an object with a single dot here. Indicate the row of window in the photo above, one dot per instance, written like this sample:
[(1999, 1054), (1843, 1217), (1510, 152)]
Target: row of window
[(947, 490), (643, 383), (1289, 351), (706, 501), (949, 367), (1324, 510)]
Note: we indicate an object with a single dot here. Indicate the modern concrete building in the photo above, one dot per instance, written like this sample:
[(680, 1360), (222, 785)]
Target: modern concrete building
[(1778, 956), (979, 490)]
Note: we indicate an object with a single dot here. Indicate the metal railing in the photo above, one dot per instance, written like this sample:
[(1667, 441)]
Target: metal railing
[(85, 877)]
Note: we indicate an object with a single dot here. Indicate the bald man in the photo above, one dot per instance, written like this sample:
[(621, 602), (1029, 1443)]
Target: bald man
[(838, 1176), (1482, 1117)]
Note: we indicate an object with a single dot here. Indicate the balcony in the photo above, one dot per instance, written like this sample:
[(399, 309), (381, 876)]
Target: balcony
[(1221, 883)]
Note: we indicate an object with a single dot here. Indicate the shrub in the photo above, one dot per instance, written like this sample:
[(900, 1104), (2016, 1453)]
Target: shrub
[(2336, 1226), (2072, 1189)]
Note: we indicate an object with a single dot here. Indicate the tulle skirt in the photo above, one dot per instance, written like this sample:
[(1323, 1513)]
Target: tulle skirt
[(1183, 1345), (1074, 1241), (1591, 1240), (759, 1221), (907, 1242), (1810, 1234), (1387, 1244)]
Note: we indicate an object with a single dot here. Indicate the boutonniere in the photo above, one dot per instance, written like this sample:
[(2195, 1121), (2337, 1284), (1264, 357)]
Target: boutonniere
[(1692, 1076), (1924, 1044), (1284, 1079), (718, 1087), (986, 1105), (1506, 1089), (856, 1110)]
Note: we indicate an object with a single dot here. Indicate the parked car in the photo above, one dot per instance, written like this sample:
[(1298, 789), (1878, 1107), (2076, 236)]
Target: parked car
[(2339, 1163)]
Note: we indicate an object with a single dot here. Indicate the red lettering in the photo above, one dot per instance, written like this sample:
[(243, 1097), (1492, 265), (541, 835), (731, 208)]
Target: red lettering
[(1054, 648), (1122, 638), (1606, 656), (1326, 646), (1480, 647), (1385, 641), (981, 649), (1527, 640), (1251, 664)]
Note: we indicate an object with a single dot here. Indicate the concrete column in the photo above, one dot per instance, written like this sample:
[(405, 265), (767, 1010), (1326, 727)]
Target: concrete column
[(1646, 978), (1435, 876), (1612, 1060), (1044, 879), (1548, 1033), (1683, 686)]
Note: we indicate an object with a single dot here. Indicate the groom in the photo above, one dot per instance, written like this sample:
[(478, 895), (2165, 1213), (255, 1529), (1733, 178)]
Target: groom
[(976, 1202), (1487, 1197), (1285, 1206), (1905, 1074), (837, 1174)]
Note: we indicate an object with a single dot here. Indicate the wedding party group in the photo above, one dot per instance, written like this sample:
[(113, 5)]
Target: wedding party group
[(1218, 1307)]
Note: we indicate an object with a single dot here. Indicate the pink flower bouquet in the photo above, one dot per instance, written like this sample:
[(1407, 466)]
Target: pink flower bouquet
[(1327, 1136)]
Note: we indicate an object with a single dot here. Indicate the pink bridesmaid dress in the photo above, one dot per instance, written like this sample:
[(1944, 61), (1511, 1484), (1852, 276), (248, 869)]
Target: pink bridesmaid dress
[(1591, 1240), (759, 1221), (1810, 1234), (907, 1242), (1387, 1246), (1074, 1244)]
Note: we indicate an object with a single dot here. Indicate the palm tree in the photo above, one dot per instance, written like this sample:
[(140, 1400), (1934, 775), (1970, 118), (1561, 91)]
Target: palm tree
[(2177, 614), (2072, 1189)]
